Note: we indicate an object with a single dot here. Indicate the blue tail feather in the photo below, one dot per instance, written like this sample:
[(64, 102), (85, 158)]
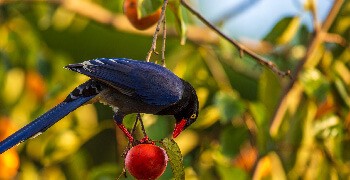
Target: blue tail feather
[(43, 122)]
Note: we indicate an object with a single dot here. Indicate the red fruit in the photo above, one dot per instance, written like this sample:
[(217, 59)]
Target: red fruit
[(146, 161), (130, 10)]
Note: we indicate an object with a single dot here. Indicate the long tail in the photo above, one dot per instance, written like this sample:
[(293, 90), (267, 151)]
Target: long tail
[(78, 97)]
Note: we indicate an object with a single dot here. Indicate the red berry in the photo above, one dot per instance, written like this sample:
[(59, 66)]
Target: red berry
[(130, 10), (146, 161)]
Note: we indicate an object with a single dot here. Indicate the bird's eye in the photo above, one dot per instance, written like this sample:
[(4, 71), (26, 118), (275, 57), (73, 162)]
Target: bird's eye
[(193, 116)]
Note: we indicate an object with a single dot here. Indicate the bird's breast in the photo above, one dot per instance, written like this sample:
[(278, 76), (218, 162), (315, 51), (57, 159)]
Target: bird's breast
[(126, 104)]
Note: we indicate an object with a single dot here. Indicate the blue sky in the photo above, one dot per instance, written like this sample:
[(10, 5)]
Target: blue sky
[(260, 15)]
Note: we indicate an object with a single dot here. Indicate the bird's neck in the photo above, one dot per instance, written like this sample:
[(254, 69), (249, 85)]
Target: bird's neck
[(190, 102), (182, 108)]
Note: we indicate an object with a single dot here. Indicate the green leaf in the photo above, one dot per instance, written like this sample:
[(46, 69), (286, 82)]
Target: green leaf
[(231, 146), (327, 127), (129, 120), (229, 106), (175, 158), (315, 84), (179, 20), (258, 111), (104, 171), (148, 7), (159, 129), (207, 117), (229, 172), (269, 91), (284, 30), (342, 91)]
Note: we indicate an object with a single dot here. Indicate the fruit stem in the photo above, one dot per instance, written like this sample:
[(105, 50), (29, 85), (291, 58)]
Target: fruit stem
[(164, 40), (135, 125), (138, 117)]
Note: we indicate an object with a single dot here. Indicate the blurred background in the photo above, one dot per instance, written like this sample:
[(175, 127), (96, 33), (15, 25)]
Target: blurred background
[(248, 126)]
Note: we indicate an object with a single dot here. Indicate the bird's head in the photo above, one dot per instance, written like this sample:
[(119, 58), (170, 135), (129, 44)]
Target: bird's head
[(183, 123), (188, 113)]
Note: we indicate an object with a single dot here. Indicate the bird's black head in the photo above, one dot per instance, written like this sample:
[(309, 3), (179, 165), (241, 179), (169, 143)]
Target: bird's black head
[(189, 110)]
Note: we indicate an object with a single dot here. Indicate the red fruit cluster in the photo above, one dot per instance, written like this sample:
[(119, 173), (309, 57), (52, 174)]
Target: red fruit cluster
[(130, 10), (146, 161)]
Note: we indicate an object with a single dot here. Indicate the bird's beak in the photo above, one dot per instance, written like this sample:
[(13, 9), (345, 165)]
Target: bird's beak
[(179, 127)]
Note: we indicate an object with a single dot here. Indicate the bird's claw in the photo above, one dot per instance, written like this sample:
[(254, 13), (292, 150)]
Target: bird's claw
[(146, 140)]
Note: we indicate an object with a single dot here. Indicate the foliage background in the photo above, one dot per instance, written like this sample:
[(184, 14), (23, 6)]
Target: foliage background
[(236, 134)]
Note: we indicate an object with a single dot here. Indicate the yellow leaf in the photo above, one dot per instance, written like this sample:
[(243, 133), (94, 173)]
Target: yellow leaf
[(269, 167), (14, 83), (207, 117), (290, 31), (87, 119), (187, 141)]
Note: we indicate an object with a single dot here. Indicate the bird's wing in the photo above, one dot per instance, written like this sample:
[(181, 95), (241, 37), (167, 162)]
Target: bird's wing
[(147, 81), (39, 125)]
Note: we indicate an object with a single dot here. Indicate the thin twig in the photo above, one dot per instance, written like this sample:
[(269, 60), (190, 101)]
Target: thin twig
[(164, 41), (313, 9), (142, 126), (335, 38), (156, 32), (318, 38), (135, 124), (123, 173), (239, 46), (216, 68), (132, 134)]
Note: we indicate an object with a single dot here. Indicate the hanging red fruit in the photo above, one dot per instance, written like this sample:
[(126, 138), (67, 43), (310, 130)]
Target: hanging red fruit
[(146, 161), (130, 10)]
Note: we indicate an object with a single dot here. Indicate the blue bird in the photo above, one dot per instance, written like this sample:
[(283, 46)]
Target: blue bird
[(128, 86)]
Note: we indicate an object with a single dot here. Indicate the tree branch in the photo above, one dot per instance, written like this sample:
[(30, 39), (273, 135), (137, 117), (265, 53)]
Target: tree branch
[(242, 49), (94, 12)]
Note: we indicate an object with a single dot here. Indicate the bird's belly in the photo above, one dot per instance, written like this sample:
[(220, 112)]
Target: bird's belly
[(126, 104)]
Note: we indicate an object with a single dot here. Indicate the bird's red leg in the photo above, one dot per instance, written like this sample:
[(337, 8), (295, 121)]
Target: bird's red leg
[(118, 118), (126, 132)]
